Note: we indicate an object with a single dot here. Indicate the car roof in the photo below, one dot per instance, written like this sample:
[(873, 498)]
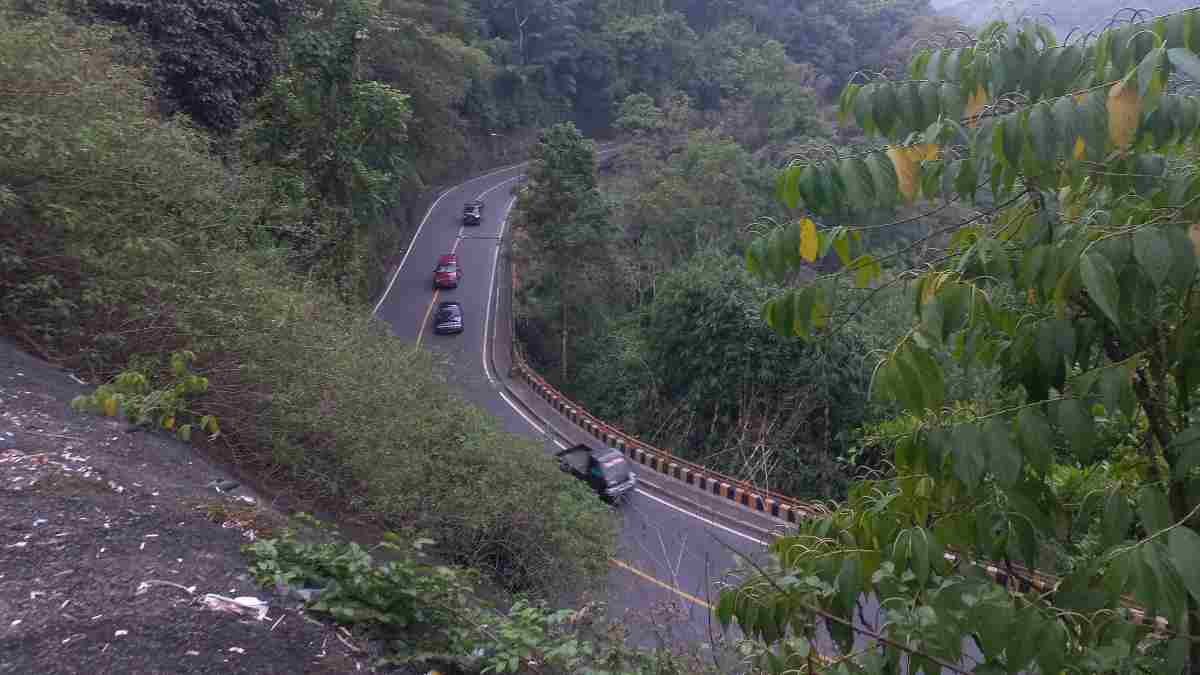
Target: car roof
[(477, 202), (449, 304), (448, 259)]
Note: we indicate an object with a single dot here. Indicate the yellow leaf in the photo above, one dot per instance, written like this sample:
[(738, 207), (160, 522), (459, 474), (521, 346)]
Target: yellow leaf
[(925, 152), (808, 239), (169, 423), (1124, 114), (110, 407), (1194, 233), (932, 286), (975, 104), (1031, 296), (906, 171), (1080, 146)]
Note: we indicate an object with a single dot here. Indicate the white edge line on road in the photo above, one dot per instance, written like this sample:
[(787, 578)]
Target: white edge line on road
[(487, 322), (702, 519), (412, 244), (429, 212)]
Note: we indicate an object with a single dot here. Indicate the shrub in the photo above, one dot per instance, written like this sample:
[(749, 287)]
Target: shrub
[(443, 619)]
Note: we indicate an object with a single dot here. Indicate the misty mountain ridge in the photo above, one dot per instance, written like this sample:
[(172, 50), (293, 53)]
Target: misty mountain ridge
[(1062, 16)]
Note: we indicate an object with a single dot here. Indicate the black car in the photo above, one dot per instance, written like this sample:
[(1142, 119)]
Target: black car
[(448, 319), (473, 213)]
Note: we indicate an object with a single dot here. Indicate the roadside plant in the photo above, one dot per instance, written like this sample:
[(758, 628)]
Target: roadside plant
[(161, 402), (432, 613)]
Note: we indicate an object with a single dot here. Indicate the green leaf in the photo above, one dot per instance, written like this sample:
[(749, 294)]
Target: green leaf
[(1153, 509), (968, 455), (920, 555), (1078, 426), (930, 376), (1116, 391), (1036, 438), (1177, 655), (883, 175), (1149, 76), (756, 257), (850, 583), (1101, 284), (1185, 62), (1004, 459), (866, 269), (1042, 128), (725, 606), (1184, 452), (1184, 546), (841, 246), (1115, 522)]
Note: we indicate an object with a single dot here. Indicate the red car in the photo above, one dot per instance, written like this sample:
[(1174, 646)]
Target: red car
[(448, 273)]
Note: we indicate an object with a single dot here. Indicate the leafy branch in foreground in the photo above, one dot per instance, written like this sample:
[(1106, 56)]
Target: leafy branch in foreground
[(1076, 285)]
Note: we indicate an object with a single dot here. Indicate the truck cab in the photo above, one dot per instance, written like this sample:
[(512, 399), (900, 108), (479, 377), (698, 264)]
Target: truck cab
[(605, 470)]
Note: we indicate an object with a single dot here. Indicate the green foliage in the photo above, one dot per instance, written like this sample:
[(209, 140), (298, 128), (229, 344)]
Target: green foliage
[(426, 50), (338, 140), (437, 615), (564, 221), (356, 417), (133, 393), (212, 56), (638, 114), (720, 371), (1075, 282)]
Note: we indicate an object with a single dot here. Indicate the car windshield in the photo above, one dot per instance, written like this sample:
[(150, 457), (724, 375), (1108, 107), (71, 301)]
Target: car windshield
[(614, 466), (446, 269), (446, 314)]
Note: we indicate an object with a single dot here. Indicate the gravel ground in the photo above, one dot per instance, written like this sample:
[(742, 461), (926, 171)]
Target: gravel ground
[(111, 542)]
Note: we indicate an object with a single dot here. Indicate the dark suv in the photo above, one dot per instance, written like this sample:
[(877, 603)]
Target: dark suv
[(473, 213), (448, 319)]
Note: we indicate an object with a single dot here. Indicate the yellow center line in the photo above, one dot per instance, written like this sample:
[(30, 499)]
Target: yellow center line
[(421, 332), (683, 594)]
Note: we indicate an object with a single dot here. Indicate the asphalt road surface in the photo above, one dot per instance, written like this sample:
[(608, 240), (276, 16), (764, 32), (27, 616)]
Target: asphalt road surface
[(675, 541)]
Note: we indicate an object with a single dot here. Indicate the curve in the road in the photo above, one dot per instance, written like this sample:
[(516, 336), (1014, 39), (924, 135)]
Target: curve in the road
[(670, 549)]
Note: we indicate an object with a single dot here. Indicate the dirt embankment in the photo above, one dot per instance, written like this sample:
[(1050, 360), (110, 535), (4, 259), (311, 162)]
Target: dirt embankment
[(110, 542)]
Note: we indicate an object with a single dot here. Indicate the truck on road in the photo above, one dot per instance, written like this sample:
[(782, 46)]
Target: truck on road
[(605, 470)]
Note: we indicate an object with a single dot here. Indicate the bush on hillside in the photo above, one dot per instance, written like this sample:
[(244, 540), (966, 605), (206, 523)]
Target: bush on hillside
[(120, 237), (701, 375)]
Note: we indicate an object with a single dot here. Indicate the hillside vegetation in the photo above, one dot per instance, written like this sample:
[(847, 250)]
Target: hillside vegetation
[(128, 246)]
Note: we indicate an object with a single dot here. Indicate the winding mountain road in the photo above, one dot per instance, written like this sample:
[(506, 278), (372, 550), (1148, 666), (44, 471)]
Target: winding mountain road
[(675, 541)]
